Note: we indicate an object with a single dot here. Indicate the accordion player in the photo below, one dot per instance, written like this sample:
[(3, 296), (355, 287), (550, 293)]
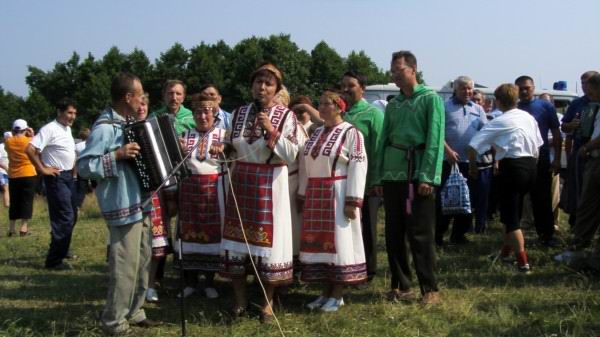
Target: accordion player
[(159, 152)]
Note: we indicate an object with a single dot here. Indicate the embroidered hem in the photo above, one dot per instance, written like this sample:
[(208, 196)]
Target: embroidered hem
[(323, 272)]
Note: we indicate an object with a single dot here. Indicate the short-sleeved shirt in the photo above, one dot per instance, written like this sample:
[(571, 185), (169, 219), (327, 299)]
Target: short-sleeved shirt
[(19, 164), (462, 123), (577, 109), (56, 145), (544, 114), (514, 134)]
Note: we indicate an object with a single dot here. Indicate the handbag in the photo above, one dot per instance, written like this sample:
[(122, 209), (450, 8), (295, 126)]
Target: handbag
[(455, 194)]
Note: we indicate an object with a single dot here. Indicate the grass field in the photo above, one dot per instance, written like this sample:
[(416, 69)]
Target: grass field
[(480, 298)]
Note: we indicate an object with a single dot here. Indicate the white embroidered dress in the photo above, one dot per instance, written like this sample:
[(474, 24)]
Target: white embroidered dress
[(202, 201), (333, 171), (260, 182)]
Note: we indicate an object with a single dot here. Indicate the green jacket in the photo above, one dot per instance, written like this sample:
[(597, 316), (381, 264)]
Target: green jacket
[(416, 121), (369, 121), (184, 119)]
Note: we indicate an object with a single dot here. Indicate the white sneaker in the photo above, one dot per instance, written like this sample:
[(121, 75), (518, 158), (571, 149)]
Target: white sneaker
[(317, 303), (151, 295), (332, 305), (187, 292), (211, 293)]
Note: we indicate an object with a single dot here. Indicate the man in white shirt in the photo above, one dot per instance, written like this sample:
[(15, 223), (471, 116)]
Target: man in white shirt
[(52, 152)]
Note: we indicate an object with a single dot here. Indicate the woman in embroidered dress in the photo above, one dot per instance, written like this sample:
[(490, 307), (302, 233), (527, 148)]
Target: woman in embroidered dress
[(333, 172), (263, 136), (202, 196)]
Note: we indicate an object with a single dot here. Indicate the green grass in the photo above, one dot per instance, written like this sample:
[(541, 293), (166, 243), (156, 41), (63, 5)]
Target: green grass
[(479, 298)]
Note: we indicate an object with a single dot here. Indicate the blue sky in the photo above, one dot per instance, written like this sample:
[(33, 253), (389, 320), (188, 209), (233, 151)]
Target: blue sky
[(491, 41)]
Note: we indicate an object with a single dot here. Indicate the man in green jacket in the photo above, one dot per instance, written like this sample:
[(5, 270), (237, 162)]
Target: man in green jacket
[(409, 166), (369, 121), (173, 96)]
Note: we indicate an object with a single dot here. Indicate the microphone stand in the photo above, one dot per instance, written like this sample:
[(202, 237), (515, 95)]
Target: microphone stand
[(179, 241)]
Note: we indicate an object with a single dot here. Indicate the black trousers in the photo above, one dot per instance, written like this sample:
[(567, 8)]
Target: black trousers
[(415, 230), (462, 222), (369, 235), (541, 200), (517, 178), (62, 207)]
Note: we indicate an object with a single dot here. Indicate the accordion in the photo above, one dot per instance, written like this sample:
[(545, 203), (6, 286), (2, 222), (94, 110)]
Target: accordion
[(159, 152)]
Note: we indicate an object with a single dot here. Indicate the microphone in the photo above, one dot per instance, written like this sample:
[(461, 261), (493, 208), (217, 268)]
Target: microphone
[(258, 106)]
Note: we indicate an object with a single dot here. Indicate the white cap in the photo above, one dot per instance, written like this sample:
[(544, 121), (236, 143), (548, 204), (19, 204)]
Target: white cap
[(19, 124), (7, 134)]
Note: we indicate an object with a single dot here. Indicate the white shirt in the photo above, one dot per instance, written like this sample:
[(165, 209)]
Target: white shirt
[(56, 144), (79, 147), (514, 134), (3, 158)]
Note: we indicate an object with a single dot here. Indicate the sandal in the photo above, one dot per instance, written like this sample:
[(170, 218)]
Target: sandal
[(26, 233)]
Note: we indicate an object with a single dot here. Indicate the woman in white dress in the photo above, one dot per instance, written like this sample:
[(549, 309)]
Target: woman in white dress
[(263, 136), (202, 196), (333, 172)]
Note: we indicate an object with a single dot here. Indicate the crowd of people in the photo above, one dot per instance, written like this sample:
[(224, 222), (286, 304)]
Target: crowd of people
[(283, 190)]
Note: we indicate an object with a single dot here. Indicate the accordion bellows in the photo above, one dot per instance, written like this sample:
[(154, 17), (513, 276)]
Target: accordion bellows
[(159, 152)]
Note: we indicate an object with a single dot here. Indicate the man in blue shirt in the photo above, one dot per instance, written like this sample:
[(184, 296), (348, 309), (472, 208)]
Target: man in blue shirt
[(541, 196), (576, 123), (224, 117), (463, 119)]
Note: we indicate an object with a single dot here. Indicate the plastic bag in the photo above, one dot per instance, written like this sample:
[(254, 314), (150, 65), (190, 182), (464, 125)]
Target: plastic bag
[(455, 194)]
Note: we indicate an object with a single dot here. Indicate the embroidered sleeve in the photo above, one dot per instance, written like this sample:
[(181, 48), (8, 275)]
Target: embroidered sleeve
[(98, 161), (286, 145), (302, 176), (272, 138), (353, 201), (357, 168)]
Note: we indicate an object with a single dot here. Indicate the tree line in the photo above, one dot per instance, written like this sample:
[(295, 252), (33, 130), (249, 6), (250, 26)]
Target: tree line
[(88, 80)]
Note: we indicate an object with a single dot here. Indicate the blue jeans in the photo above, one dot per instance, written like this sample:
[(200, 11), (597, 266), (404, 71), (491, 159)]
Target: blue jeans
[(61, 194), (480, 198)]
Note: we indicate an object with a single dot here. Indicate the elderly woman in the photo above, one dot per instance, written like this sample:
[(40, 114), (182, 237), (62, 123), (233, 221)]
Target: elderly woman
[(22, 177), (202, 196), (516, 138), (333, 173), (263, 136)]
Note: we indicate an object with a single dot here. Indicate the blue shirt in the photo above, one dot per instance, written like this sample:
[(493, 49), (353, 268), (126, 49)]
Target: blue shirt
[(224, 119), (544, 114), (462, 123), (118, 192)]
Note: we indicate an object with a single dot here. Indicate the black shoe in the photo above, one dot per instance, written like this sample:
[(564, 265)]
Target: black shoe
[(60, 266), (147, 323), (71, 256)]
